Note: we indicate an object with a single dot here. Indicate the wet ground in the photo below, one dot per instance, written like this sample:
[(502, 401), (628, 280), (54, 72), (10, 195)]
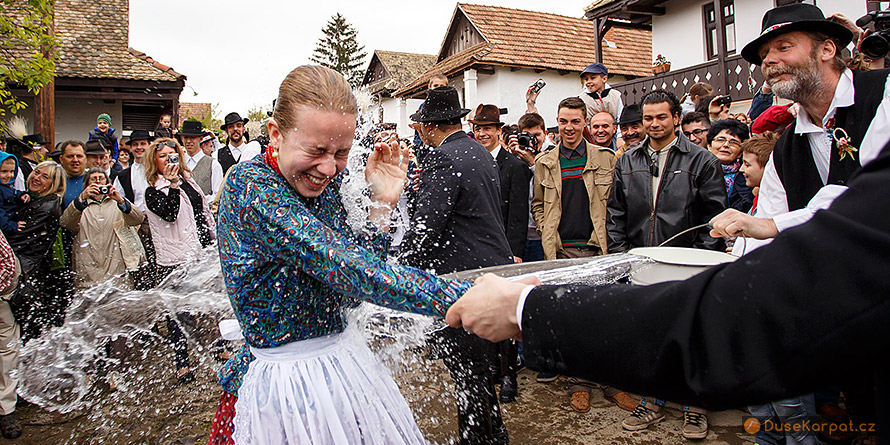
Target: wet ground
[(165, 412)]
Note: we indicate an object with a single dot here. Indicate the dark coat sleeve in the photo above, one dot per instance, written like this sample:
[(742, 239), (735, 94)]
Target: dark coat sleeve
[(616, 213), (516, 217), (808, 309), (741, 197), (165, 206), (434, 200), (711, 201)]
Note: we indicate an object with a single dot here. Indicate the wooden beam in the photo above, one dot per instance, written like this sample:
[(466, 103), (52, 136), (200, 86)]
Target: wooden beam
[(630, 25), (650, 10), (114, 96), (118, 83), (598, 25), (721, 48), (45, 102)]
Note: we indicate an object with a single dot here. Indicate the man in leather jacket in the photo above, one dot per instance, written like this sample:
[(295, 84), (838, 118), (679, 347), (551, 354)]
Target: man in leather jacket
[(664, 185)]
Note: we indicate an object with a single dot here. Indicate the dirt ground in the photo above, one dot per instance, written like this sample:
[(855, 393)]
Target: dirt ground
[(152, 408)]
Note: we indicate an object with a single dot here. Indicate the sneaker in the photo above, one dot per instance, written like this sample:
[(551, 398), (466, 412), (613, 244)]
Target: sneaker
[(695, 424), (9, 426), (643, 416), (546, 377)]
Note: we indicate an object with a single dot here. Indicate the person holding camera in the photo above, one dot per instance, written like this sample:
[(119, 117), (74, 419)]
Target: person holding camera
[(105, 243), (178, 212)]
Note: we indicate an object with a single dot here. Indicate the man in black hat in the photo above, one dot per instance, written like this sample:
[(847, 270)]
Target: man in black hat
[(632, 129), (97, 155), (456, 226), (131, 180), (237, 149), (208, 172)]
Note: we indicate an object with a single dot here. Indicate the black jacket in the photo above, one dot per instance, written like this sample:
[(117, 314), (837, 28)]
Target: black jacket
[(457, 224), (692, 191), (812, 308), (33, 243), (515, 176), (741, 197)]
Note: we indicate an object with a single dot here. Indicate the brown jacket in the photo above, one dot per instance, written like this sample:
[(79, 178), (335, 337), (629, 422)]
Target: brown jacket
[(547, 201)]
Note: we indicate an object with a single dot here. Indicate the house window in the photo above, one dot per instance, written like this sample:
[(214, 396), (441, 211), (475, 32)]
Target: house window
[(727, 8)]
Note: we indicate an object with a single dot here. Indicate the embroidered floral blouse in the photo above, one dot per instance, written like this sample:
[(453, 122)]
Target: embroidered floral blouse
[(289, 262)]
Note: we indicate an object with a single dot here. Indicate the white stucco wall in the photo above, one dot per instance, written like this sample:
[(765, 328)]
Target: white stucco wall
[(679, 34), (76, 117)]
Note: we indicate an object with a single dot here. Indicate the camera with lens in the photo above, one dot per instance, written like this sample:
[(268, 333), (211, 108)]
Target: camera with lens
[(103, 189), (539, 84), (173, 158), (876, 45), (527, 141), (723, 100)]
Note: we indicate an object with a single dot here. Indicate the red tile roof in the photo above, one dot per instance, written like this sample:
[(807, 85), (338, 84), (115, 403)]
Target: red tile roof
[(93, 43), (538, 40)]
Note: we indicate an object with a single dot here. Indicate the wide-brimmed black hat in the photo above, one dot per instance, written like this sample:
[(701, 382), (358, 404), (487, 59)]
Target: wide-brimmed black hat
[(139, 135), (795, 17), (630, 114), (35, 139), (441, 105), (94, 147), (192, 128), (231, 118)]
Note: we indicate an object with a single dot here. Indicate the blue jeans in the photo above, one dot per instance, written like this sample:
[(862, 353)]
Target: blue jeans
[(534, 251), (783, 415)]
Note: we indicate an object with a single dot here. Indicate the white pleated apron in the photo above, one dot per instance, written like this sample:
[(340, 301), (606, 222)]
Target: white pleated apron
[(326, 390)]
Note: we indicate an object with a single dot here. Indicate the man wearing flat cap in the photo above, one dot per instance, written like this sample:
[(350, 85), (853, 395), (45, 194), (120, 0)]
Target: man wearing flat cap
[(457, 226), (237, 149)]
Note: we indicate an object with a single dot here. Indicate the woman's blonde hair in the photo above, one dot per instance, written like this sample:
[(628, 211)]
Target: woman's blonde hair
[(56, 176), (151, 167), (312, 86)]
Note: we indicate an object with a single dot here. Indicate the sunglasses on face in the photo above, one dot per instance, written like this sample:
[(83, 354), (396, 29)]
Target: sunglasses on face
[(170, 144)]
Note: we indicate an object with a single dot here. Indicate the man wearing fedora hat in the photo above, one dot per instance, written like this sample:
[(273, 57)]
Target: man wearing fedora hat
[(236, 148), (632, 130), (97, 155), (207, 171), (457, 225)]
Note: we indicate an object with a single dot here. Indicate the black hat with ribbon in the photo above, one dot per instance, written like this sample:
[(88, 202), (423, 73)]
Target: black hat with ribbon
[(192, 128), (794, 17), (441, 105), (231, 118)]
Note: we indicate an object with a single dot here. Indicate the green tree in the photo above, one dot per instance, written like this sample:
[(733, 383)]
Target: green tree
[(339, 50), (25, 60)]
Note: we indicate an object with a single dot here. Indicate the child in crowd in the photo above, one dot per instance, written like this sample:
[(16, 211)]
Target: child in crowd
[(104, 133), (596, 96), (165, 126), (10, 198), (755, 154)]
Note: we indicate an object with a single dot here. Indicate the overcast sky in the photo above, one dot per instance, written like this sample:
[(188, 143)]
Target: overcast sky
[(236, 53)]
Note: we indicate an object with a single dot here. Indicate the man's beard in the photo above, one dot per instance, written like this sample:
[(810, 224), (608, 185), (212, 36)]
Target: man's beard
[(805, 82)]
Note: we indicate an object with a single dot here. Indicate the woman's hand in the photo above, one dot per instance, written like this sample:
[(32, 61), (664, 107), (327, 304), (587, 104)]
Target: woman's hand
[(92, 190), (171, 172), (115, 195), (387, 171)]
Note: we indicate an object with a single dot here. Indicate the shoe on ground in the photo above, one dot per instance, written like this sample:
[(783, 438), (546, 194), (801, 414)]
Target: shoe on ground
[(642, 417), (546, 377), (509, 389), (581, 401), (9, 426), (624, 401), (695, 425), (185, 375)]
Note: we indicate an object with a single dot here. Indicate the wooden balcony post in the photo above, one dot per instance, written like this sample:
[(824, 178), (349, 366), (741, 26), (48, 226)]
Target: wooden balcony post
[(45, 101), (722, 82)]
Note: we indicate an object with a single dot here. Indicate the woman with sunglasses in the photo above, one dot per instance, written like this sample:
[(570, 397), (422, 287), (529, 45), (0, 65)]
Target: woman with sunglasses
[(291, 261)]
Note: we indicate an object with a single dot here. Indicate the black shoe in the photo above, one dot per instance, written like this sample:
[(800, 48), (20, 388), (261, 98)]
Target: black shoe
[(10, 427), (508, 389)]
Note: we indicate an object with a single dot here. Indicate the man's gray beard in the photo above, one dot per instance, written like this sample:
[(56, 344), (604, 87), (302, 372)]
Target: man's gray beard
[(805, 84)]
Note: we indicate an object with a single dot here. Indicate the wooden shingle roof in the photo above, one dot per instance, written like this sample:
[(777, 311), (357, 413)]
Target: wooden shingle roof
[(93, 43), (400, 69), (537, 40)]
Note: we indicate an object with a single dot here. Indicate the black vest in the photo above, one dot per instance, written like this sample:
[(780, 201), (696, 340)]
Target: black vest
[(127, 183), (793, 156), (226, 159)]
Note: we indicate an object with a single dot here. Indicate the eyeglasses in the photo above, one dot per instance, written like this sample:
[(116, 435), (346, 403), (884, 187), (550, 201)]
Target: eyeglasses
[(722, 140), (653, 164), (697, 132)]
